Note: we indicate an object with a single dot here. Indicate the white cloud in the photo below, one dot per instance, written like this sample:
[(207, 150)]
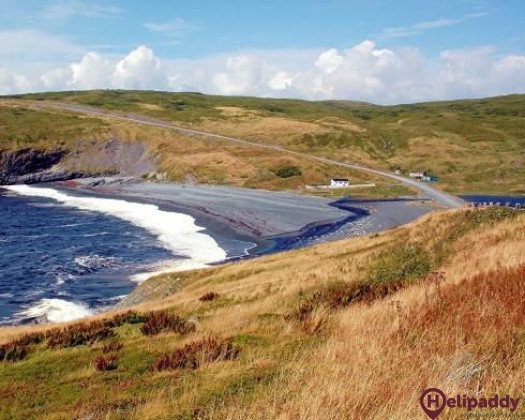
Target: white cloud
[(140, 69), (362, 72), (55, 79), (282, 81), (243, 73), (68, 8), (93, 71), (420, 27), (11, 82), (174, 26), (329, 61)]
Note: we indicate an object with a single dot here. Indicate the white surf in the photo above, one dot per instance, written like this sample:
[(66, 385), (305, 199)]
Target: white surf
[(177, 232), (55, 310)]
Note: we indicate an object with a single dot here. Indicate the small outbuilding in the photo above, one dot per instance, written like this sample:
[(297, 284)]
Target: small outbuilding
[(339, 183)]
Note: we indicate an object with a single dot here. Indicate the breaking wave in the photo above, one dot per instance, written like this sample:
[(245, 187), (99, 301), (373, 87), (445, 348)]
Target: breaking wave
[(55, 310), (177, 232)]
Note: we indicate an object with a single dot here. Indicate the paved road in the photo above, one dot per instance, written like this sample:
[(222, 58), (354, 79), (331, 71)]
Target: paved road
[(428, 191)]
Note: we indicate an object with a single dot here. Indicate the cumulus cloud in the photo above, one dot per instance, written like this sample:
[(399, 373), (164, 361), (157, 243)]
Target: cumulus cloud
[(11, 82), (91, 72), (54, 79), (329, 61), (282, 81), (138, 70), (362, 72), (242, 74)]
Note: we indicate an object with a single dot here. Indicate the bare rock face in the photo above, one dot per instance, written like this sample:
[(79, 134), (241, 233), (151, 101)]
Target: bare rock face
[(90, 158), (31, 166), (111, 157)]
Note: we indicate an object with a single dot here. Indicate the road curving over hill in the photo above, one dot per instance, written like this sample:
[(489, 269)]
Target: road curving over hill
[(427, 190)]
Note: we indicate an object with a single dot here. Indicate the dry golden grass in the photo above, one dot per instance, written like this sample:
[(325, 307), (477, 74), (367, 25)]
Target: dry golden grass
[(263, 128), (235, 111), (334, 122), (151, 107)]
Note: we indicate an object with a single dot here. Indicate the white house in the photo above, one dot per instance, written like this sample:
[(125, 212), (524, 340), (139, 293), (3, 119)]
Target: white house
[(339, 183)]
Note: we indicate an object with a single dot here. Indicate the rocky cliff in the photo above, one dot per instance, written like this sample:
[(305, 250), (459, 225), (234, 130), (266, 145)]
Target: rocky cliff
[(31, 166), (28, 166)]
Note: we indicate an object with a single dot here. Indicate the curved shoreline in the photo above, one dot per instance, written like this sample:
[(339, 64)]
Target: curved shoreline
[(248, 224), (272, 221)]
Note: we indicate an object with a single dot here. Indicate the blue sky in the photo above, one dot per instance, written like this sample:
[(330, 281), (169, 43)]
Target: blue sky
[(272, 48)]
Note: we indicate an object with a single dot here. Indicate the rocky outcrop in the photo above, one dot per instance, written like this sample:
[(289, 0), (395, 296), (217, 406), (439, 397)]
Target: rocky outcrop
[(90, 158), (27, 166)]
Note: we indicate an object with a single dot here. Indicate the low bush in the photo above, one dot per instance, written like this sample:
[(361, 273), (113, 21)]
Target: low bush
[(130, 317), (105, 363), (196, 353), (79, 334), (207, 297), (158, 322), (339, 295), (401, 262), (287, 171), (114, 346), (13, 352), (29, 339)]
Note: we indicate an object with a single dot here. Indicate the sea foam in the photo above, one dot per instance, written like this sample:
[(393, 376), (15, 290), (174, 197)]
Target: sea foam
[(55, 310), (177, 232)]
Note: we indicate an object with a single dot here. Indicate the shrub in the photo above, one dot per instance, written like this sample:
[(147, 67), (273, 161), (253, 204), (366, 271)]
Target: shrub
[(399, 263), (78, 334), (105, 363), (109, 347), (288, 171), (29, 339), (13, 352), (339, 295), (194, 354), (207, 297), (130, 317), (158, 322)]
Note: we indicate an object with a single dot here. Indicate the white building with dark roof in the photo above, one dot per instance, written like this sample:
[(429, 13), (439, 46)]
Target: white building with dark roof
[(339, 183)]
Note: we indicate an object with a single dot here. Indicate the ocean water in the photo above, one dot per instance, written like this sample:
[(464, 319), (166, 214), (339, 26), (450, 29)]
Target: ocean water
[(494, 198), (63, 257)]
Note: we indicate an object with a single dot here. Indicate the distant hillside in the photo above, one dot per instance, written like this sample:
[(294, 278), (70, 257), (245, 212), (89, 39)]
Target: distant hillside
[(472, 145), (31, 139)]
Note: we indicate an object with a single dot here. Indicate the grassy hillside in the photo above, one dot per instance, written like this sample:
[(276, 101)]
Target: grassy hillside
[(474, 145), (351, 329), (180, 157)]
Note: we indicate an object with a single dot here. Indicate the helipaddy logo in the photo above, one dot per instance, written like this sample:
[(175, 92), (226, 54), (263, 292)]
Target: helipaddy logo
[(433, 401)]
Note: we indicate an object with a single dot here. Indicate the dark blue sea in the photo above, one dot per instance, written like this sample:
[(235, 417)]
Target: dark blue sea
[(60, 260), (503, 199)]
